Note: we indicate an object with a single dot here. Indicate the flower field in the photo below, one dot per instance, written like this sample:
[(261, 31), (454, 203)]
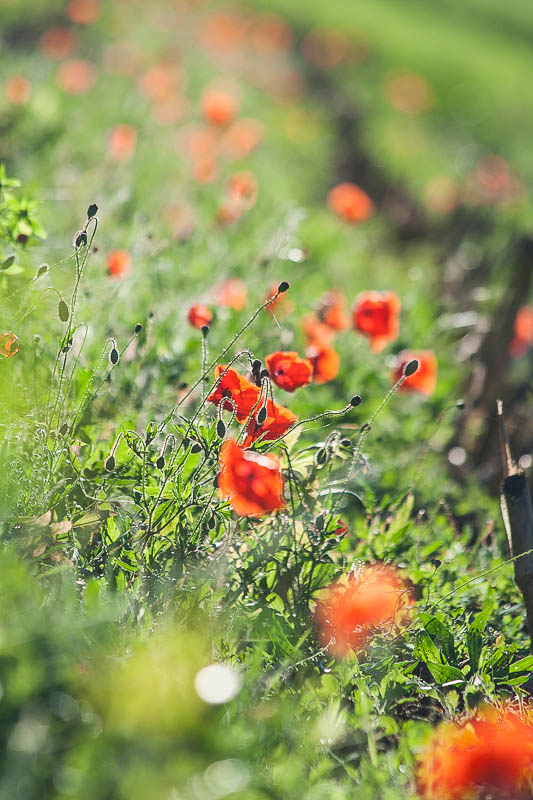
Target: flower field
[(265, 392)]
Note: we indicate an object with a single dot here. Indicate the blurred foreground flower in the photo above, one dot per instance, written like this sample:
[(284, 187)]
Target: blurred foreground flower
[(356, 607), (119, 263), (489, 756), (218, 107), (8, 345), (199, 316), (121, 142), (252, 482), (288, 370), (76, 76), (350, 202), (18, 90), (523, 332), (332, 310), (375, 314), (424, 379)]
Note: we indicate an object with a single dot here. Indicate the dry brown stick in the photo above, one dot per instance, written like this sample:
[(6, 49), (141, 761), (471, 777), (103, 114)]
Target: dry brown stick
[(517, 513)]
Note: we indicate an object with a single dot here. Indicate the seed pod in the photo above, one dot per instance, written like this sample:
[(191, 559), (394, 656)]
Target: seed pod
[(92, 211), (411, 368), (138, 328), (62, 311), (114, 356), (355, 401), (221, 429)]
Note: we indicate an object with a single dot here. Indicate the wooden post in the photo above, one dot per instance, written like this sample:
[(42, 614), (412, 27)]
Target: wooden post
[(517, 513)]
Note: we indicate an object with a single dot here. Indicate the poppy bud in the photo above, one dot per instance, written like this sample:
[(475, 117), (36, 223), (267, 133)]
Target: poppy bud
[(63, 429), (410, 368), (264, 374), (92, 210), (283, 287), (205, 330), (114, 356), (221, 429), (110, 463), (62, 311), (211, 522), (196, 448), (138, 328), (43, 269), (256, 366), (261, 416), (355, 401), (160, 463), (81, 239)]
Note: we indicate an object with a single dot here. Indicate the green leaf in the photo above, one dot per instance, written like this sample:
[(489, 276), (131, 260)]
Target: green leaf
[(523, 665), (425, 648), (441, 635), (444, 673)]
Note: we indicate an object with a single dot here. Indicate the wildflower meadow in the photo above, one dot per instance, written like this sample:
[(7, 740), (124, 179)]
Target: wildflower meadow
[(266, 427)]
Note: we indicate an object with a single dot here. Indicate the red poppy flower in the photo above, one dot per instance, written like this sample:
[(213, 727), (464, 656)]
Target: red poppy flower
[(288, 370), (252, 482), (76, 76), (375, 314), (424, 379), (57, 43), (232, 293), (325, 361), (350, 202), (241, 391), (490, 755), (331, 311), (18, 90), (241, 138), (8, 345), (199, 316), (317, 332), (242, 188), (121, 142), (355, 609), (119, 263), (219, 107), (277, 422), (523, 332)]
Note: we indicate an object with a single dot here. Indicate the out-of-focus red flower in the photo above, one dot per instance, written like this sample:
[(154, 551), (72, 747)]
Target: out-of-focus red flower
[(181, 219), (242, 188), (58, 43), (281, 305), (252, 482), (489, 755), (83, 12), (270, 34), (332, 311), (160, 82), (199, 316), (288, 370), (8, 344), (225, 32), (119, 263), (317, 332), (353, 610), (232, 386), (409, 92), (198, 141), (121, 142), (171, 110), (241, 138), (350, 202), (232, 293), (204, 170), (325, 361), (376, 315), (76, 76), (219, 107), (424, 379), (278, 421), (18, 90), (523, 332), (325, 49), (494, 181)]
